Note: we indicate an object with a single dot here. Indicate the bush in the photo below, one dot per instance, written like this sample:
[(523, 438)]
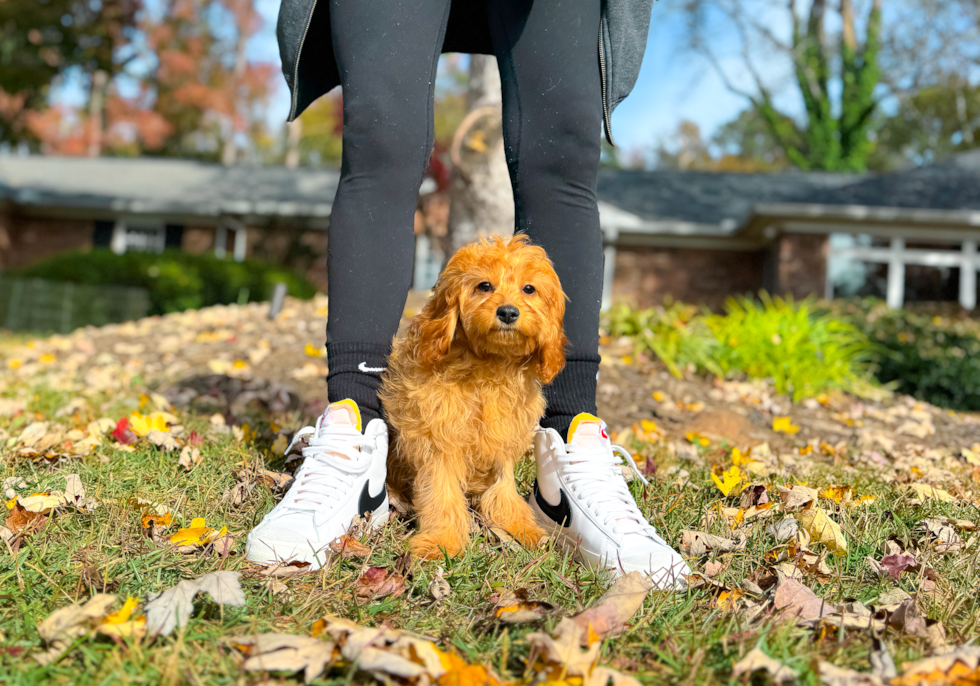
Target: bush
[(176, 280), (931, 357), (803, 351)]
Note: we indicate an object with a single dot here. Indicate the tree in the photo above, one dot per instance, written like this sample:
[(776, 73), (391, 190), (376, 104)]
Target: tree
[(481, 198), (835, 76), (41, 40), (742, 145), (934, 122)]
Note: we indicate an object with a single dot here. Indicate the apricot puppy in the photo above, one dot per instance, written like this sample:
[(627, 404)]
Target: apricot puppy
[(463, 391)]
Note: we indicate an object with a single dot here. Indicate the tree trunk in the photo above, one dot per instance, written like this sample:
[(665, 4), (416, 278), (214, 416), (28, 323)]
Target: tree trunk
[(481, 198), (96, 107)]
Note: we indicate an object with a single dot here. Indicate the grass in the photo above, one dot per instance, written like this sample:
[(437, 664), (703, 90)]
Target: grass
[(676, 638)]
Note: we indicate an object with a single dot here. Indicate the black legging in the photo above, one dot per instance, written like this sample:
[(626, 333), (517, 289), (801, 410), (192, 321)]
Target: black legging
[(387, 52)]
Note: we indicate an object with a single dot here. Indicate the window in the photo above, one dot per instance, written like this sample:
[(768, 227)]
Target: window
[(901, 271), (137, 237)]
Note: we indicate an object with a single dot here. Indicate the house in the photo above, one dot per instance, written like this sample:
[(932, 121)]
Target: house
[(693, 236)]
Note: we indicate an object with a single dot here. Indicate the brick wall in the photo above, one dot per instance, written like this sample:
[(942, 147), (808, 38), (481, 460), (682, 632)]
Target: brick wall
[(24, 240), (704, 277), (800, 265)]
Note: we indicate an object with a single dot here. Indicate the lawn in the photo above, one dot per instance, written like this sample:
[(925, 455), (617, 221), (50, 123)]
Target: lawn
[(841, 531)]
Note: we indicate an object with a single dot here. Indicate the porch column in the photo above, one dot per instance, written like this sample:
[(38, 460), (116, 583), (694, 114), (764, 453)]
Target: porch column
[(896, 275), (968, 276)]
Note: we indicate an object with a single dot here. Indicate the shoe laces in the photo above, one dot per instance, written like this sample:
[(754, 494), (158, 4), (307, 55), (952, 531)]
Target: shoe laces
[(325, 477), (595, 478)]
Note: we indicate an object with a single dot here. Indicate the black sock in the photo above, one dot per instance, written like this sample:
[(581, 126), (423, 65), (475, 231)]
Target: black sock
[(572, 392), (355, 373)]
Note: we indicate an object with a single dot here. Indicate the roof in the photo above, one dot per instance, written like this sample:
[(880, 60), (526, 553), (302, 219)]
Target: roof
[(146, 185), (633, 205)]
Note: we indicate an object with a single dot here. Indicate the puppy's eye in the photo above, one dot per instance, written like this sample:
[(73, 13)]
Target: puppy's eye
[(486, 287), (529, 289)]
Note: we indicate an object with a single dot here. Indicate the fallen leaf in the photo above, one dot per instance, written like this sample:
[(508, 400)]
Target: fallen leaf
[(894, 565), (961, 667), (163, 439), (926, 491), (21, 521), (278, 482), (123, 434), (197, 534), (784, 425), (439, 588), (797, 495), (285, 653), (378, 582), (515, 607), (727, 481), (610, 614), (794, 600), (756, 660), (189, 457), (60, 629), (694, 543), (172, 607), (144, 425), (822, 529), (348, 547), (832, 675)]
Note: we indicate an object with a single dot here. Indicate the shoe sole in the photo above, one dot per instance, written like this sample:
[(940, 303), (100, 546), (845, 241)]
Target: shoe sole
[(377, 522)]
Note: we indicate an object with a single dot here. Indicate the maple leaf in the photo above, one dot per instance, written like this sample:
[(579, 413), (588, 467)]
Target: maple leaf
[(728, 480), (197, 534), (143, 425), (610, 614), (285, 653), (378, 582), (123, 434)]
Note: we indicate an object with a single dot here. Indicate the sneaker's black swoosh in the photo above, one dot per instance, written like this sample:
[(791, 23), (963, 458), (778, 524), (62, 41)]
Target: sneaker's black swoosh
[(369, 503), (560, 513)]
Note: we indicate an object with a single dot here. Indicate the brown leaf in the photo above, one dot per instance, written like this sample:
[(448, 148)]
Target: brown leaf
[(348, 547), (21, 521), (796, 601), (894, 565), (960, 667), (757, 661), (378, 582), (694, 543), (610, 614), (515, 607), (285, 653), (439, 588), (278, 482)]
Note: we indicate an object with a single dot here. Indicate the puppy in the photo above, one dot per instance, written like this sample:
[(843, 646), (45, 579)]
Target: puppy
[(463, 391)]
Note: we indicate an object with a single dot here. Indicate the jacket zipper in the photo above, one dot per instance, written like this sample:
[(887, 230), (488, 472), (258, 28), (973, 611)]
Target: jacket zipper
[(299, 55), (605, 102)]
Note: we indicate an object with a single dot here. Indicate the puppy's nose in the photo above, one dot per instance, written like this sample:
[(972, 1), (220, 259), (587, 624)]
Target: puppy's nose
[(508, 314)]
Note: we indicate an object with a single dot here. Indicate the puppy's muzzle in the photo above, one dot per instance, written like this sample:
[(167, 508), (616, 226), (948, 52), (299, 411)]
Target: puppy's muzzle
[(508, 314)]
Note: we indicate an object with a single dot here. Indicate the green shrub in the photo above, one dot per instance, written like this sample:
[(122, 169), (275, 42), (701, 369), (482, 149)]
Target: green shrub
[(674, 332), (176, 280), (803, 351), (931, 357)]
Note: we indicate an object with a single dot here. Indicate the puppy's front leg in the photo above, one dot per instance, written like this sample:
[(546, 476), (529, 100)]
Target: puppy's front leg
[(444, 522), (502, 506)]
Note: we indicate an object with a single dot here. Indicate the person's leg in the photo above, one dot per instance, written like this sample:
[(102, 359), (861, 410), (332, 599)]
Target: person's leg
[(552, 113), (387, 52)]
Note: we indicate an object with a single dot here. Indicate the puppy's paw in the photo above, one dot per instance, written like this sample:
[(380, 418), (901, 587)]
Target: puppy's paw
[(431, 546), (530, 535)]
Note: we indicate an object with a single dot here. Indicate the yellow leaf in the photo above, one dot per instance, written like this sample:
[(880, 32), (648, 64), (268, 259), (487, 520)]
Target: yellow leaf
[(14, 363), (728, 600), (649, 426), (838, 494), (42, 503), (727, 482), (784, 425), (931, 492), (198, 533), (122, 615), (312, 351), (822, 529), (46, 358), (144, 424), (659, 397)]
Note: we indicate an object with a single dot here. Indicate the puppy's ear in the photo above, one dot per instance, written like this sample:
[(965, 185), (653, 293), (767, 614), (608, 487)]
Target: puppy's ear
[(551, 354), (435, 327)]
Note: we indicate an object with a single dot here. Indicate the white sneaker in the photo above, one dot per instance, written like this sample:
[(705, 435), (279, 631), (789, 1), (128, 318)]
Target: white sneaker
[(581, 495), (342, 475)]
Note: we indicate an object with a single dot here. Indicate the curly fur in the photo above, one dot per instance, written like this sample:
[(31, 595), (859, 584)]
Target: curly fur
[(463, 392)]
